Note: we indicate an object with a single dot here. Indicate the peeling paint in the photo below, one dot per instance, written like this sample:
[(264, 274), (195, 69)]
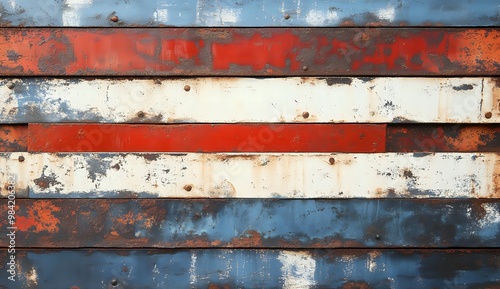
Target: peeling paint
[(297, 270)]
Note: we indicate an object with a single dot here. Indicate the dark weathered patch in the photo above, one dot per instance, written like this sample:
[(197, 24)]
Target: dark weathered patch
[(463, 87)]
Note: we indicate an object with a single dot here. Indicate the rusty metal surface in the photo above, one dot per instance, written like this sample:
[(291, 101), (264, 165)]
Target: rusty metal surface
[(13, 138), (264, 175), (263, 100), (255, 223), (207, 138), (249, 51), (448, 138), (248, 13), (213, 269)]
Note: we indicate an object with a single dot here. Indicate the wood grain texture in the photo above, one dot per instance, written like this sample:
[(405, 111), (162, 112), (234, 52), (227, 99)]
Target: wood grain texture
[(246, 51), (262, 100), (246, 268), (255, 223)]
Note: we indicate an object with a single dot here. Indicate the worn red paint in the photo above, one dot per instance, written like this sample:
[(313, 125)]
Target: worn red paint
[(244, 51), (443, 138), (207, 138), (13, 138)]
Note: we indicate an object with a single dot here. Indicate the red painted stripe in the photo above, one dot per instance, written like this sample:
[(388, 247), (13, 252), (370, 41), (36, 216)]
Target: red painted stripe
[(13, 138), (206, 138), (243, 51)]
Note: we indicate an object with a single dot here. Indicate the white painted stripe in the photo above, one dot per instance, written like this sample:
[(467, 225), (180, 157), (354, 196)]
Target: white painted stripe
[(12, 171), (379, 175), (230, 100)]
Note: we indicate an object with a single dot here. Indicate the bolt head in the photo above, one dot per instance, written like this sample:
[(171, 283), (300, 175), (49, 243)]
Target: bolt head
[(331, 161), (488, 115), (20, 158), (141, 114), (114, 18)]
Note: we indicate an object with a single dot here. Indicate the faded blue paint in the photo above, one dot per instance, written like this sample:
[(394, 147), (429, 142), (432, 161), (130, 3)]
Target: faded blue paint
[(269, 223), (255, 269), (249, 13)]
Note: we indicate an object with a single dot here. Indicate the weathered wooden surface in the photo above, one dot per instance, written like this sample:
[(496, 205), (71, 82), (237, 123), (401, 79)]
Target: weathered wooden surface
[(248, 13), (207, 138), (340, 269), (249, 51), (255, 223), (448, 138), (14, 175), (311, 175), (230, 100)]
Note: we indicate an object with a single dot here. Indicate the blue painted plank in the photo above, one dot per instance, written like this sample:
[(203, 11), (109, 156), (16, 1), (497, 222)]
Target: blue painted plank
[(367, 269), (257, 223), (249, 13)]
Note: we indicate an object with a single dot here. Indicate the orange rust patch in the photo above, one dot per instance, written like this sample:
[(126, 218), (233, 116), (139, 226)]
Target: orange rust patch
[(481, 50), (356, 285), (252, 238), (470, 138), (40, 216)]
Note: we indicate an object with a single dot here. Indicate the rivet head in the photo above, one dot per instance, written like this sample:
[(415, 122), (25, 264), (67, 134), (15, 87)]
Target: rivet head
[(286, 16), (378, 237), (331, 161), (187, 87), (10, 85), (114, 18), (305, 68), (20, 158), (305, 114), (488, 115), (114, 282), (188, 188), (141, 114)]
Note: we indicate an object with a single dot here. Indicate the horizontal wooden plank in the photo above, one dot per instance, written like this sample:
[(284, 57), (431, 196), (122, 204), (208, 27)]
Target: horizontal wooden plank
[(248, 13), (13, 138), (214, 269), (207, 138), (248, 51), (449, 138), (243, 223), (266, 175), (231, 100)]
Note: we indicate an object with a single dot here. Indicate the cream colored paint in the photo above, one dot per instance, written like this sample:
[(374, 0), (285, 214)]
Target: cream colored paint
[(380, 175), (230, 100)]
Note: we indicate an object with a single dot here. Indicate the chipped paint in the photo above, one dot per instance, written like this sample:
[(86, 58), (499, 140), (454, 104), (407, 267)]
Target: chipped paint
[(244, 51), (297, 270), (256, 223), (312, 175), (16, 172), (428, 100), (252, 13)]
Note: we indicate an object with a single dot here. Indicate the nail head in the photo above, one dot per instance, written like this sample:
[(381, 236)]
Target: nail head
[(305, 68), (331, 161), (10, 85), (187, 87), (140, 114), (488, 115), (114, 18), (287, 16), (378, 237), (20, 158), (305, 114), (114, 282), (188, 188)]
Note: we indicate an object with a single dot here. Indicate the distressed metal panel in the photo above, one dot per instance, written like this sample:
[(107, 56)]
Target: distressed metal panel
[(248, 51), (312, 175), (449, 138), (248, 13), (230, 100), (255, 223), (13, 138), (343, 269), (207, 138), (14, 168)]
